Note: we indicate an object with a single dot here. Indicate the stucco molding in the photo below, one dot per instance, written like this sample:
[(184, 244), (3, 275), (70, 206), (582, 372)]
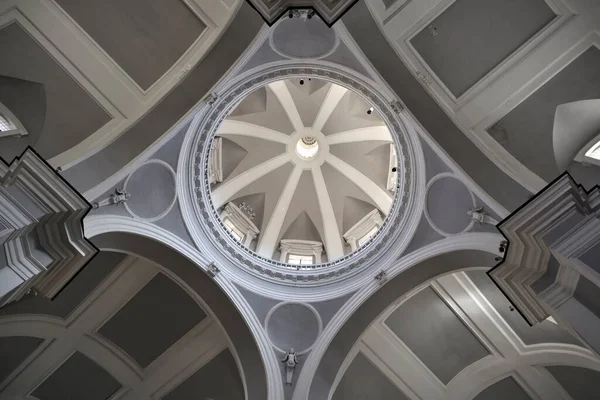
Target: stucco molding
[(97, 225), (528, 255), (208, 232), (426, 211), (45, 250), (487, 242)]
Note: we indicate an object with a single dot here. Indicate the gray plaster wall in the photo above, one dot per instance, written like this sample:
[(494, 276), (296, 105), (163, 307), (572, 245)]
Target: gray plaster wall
[(507, 388), (70, 114), (394, 289), (365, 32), (196, 84), (230, 319), (544, 332), (580, 383), (474, 36), (92, 381), (436, 335), (160, 28), (363, 380), (527, 131)]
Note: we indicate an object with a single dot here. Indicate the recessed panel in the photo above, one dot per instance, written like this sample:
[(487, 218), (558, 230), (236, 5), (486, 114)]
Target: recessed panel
[(435, 334), (153, 320), (13, 351), (69, 114), (218, 380), (363, 380), (145, 37), (527, 131), (507, 388), (544, 332), (78, 378), (580, 383), (471, 37)]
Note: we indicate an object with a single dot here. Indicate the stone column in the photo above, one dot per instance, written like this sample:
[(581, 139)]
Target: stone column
[(552, 260), (41, 229)]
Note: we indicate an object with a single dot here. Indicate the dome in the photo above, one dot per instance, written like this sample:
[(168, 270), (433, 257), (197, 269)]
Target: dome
[(301, 171)]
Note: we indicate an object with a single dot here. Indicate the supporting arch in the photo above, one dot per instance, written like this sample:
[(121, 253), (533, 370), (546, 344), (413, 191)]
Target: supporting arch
[(414, 270), (193, 278)]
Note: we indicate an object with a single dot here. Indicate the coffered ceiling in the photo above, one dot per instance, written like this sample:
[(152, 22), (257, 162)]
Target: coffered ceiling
[(352, 163), (100, 67), (473, 348), (120, 329), (500, 69)]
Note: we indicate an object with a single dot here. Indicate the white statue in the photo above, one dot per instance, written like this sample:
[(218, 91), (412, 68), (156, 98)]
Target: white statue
[(290, 360), (478, 215)]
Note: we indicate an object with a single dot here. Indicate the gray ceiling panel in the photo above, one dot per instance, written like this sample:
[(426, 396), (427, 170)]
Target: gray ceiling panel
[(545, 332), (507, 388), (472, 37), (527, 131), (71, 114), (580, 383), (435, 334), (13, 351), (144, 37), (363, 381), (78, 378), (217, 380), (153, 320)]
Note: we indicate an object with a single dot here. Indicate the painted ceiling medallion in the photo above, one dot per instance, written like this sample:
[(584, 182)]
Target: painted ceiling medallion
[(328, 10)]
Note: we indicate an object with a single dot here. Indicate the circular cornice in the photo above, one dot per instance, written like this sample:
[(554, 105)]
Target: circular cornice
[(214, 240)]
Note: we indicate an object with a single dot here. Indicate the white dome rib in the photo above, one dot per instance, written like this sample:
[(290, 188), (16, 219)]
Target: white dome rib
[(271, 233)]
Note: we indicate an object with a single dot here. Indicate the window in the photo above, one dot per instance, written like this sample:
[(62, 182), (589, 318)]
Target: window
[(237, 234), (368, 236), (9, 124), (6, 125), (594, 151), (295, 259)]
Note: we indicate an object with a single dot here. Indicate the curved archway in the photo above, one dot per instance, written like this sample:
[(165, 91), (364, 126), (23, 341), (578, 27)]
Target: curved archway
[(188, 274), (400, 285)]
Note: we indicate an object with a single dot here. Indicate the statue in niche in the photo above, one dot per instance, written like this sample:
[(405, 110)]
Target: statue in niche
[(290, 360)]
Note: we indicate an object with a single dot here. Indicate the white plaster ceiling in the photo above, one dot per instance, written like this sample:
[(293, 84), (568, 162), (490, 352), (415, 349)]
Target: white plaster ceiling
[(314, 199)]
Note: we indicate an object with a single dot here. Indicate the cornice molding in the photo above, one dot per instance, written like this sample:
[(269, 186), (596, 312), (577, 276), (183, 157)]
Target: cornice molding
[(97, 225), (47, 249), (528, 255), (212, 238)]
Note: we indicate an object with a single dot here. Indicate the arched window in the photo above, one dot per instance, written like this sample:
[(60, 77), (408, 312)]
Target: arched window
[(9, 124), (590, 153)]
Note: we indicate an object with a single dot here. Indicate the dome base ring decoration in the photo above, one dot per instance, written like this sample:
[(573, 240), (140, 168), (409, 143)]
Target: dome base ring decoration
[(212, 237)]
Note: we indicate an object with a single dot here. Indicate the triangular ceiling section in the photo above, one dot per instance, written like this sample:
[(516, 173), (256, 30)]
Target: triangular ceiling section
[(342, 118), (271, 185), (304, 200), (308, 97), (257, 152), (233, 154), (303, 228), (371, 158), (274, 117), (339, 187), (256, 102), (354, 211)]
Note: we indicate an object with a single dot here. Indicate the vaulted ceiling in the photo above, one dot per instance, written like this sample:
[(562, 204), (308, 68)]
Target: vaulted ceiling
[(316, 200), (507, 89)]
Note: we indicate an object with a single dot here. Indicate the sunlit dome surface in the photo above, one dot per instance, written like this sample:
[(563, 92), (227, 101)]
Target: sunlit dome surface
[(301, 172)]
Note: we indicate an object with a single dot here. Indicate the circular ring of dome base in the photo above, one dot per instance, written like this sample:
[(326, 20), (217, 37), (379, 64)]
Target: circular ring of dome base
[(216, 242)]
